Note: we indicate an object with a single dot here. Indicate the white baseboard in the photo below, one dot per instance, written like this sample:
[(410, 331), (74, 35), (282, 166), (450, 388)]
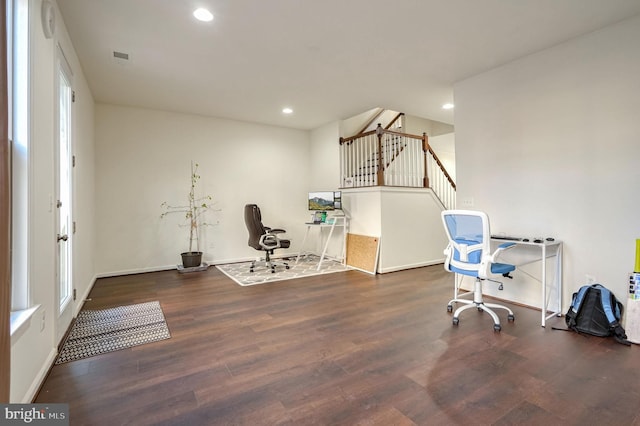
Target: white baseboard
[(135, 271), (169, 267), (244, 259), (410, 266), (84, 296), (39, 379)]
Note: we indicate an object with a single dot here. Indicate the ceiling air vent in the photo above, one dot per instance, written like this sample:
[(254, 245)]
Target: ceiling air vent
[(121, 58), (121, 55)]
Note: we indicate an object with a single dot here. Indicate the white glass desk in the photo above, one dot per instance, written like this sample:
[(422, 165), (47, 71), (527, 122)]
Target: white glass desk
[(547, 249), (332, 223)]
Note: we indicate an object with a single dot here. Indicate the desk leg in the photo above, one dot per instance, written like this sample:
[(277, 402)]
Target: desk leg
[(344, 241), (304, 240), (326, 245), (544, 284), (559, 279)]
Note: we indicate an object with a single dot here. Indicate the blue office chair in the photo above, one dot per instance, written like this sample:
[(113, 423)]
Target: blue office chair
[(469, 253)]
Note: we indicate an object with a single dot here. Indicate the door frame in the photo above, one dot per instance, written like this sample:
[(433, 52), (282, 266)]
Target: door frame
[(64, 309)]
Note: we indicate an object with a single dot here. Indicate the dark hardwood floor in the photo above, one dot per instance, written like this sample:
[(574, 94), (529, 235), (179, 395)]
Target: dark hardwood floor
[(341, 349)]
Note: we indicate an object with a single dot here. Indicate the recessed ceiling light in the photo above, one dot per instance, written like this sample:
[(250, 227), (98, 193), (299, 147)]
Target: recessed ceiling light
[(203, 15), (447, 106), (287, 111)]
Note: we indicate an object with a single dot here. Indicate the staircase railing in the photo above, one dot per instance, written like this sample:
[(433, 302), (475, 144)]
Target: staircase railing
[(384, 157), (441, 182)]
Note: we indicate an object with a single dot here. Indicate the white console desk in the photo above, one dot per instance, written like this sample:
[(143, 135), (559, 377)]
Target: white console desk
[(547, 249), (332, 223)]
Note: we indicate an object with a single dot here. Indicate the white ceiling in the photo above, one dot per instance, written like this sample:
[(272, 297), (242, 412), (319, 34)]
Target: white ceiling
[(327, 59)]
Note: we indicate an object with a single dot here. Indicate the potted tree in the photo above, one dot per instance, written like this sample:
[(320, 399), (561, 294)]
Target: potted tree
[(193, 212)]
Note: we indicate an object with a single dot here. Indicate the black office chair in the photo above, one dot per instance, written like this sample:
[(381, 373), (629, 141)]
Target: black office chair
[(263, 238)]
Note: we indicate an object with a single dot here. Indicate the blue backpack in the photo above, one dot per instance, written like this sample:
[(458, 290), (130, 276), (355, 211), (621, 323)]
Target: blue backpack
[(595, 310)]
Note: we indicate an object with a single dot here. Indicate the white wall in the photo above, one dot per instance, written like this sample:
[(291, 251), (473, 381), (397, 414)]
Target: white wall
[(84, 268), (324, 158), (412, 235), (418, 125), (445, 148), (548, 146), (324, 175), (143, 159), (407, 220), (33, 349), (351, 126)]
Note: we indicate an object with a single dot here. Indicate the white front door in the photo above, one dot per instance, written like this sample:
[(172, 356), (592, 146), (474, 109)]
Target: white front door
[(64, 199)]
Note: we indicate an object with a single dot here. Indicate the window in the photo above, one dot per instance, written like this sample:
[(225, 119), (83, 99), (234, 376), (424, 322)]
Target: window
[(64, 172), (18, 85)]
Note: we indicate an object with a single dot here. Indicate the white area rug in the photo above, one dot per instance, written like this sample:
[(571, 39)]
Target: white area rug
[(306, 267), (108, 330)]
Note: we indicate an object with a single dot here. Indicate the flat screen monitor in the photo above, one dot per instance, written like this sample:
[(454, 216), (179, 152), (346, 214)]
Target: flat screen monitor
[(337, 200), (325, 200)]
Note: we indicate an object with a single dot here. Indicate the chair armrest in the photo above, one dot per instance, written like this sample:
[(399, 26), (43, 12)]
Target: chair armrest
[(505, 246), (276, 231), (269, 241), (502, 247)]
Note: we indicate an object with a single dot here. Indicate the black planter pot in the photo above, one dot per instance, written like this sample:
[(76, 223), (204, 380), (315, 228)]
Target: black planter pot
[(191, 259)]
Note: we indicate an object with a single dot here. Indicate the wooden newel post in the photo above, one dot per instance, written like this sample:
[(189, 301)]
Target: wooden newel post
[(380, 174), (425, 151)]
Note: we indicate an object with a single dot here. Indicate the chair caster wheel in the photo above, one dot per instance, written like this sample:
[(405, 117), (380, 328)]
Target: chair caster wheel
[(497, 327), (511, 318), (456, 321), (287, 267), (449, 308), (480, 309)]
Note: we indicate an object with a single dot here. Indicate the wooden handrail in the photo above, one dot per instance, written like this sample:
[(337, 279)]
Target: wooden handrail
[(396, 118), (372, 132), (352, 138), (374, 118), (409, 135), (383, 162), (435, 157)]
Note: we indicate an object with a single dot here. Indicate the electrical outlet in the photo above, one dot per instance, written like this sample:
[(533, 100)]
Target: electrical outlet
[(467, 202), (590, 279), (42, 322)]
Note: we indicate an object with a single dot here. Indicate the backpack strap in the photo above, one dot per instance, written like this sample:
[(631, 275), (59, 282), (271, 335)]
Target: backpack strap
[(620, 335), (576, 303), (606, 299), (613, 310)]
